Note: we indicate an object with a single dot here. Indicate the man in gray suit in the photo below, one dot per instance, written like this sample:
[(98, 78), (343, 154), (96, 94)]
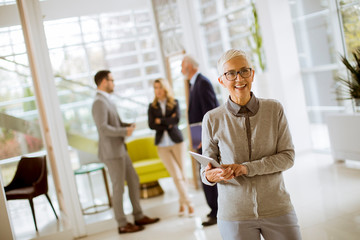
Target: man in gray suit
[(112, 151)]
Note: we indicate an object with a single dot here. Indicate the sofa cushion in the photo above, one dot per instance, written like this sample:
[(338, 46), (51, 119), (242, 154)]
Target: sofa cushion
[(148, 165)]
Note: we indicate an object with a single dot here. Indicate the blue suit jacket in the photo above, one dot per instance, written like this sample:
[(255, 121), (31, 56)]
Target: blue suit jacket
[(202, 99)]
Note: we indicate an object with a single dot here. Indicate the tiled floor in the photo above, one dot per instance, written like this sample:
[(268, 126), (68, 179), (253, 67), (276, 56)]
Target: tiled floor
[(326, 197)]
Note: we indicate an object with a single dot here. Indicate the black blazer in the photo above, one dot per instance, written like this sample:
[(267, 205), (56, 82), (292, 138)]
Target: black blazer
[(202, 99), (168, 123)]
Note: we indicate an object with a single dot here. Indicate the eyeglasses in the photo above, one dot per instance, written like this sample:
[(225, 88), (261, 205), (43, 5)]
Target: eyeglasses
[(232, 75)]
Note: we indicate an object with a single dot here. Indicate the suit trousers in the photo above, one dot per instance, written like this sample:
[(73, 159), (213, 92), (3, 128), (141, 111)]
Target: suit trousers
[(211, 195), (173, 159), (121, 170), (273, 228)]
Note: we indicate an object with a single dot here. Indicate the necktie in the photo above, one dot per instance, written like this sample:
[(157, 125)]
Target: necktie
[(187, 91)]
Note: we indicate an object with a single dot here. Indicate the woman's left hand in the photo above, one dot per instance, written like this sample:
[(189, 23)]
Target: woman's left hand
[(238, 169), (218, 174)]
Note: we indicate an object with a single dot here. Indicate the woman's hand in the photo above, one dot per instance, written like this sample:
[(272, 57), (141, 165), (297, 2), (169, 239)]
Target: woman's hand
[(238, 169), (157, 120), (215, 175)]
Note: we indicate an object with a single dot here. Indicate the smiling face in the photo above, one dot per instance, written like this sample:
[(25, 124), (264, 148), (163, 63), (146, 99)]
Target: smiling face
[(159, 91), (240, 88), (185, 68)]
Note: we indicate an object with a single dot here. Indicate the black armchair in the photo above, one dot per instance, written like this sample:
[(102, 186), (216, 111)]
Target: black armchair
[(30, 181)]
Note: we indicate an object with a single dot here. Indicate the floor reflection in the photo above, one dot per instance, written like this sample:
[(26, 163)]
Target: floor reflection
[(326, 196)]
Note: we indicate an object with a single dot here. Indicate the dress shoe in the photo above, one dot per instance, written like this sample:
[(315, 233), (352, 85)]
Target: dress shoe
[(191, 211), (146, 220), (181, 211), (210, 221), (130, 228)]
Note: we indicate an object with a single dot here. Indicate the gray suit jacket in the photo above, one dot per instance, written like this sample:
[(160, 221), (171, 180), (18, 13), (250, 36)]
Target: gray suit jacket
[(111, 130)]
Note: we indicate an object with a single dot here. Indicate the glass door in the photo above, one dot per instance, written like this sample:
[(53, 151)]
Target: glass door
[(20, 133)]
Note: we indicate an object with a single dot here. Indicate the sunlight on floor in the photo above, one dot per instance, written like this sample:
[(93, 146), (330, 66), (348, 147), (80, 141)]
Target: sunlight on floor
[(326, 196)]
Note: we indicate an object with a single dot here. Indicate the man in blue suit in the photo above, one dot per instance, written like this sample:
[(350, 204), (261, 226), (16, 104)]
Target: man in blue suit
[(202, 98)]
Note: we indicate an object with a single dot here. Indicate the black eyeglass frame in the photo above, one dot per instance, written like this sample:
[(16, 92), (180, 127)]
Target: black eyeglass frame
[(241, 72)]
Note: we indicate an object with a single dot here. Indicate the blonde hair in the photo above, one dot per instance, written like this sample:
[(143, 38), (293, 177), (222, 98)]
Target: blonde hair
[(170, 103), (230, 54)]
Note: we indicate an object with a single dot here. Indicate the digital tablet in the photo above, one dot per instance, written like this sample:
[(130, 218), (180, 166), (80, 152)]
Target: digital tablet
[(205, 160)]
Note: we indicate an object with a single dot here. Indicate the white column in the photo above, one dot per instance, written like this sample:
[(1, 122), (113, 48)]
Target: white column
[(5, 223), (51, 121), (283, 78), (162, 58)]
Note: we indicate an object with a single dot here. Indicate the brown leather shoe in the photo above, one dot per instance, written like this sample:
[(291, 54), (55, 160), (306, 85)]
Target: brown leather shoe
[(146, 220), (129, 228)]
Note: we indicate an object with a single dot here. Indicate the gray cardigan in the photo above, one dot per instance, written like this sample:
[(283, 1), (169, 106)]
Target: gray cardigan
[(262, 191)]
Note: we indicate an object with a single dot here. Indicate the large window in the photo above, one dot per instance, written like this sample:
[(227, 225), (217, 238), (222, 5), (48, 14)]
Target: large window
[(169, 26), (350, 15), (122, 42), (229, 24), (19, 127), (7, 2), (20, 133), (320, 41)]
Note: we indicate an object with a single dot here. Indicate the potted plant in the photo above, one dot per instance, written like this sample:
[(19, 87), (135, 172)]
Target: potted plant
[(351, 85), (343, 127), (256, 44)]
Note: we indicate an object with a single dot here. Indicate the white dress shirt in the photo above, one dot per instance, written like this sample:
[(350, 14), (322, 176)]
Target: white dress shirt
[(165, 139)]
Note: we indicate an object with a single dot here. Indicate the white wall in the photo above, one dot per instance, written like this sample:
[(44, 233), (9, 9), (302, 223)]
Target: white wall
[(283, 77)]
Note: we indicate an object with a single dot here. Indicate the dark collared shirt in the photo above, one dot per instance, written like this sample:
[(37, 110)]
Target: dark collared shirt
[(252, 107), (249, 110)]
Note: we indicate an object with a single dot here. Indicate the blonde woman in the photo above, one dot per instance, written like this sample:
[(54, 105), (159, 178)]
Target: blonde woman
[(164, 115)]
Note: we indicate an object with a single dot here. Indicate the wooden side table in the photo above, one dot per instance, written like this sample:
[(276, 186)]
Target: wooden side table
[(88, 169)]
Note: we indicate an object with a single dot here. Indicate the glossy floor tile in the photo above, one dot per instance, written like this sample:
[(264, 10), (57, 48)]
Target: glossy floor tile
[(326, 196)]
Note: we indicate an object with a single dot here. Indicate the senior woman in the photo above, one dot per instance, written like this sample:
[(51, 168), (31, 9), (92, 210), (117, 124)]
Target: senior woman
[(163, 117), (250, 137)]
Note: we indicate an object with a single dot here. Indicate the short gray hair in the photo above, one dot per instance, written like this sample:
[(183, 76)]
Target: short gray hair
[(230, 54), (190, 59)]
